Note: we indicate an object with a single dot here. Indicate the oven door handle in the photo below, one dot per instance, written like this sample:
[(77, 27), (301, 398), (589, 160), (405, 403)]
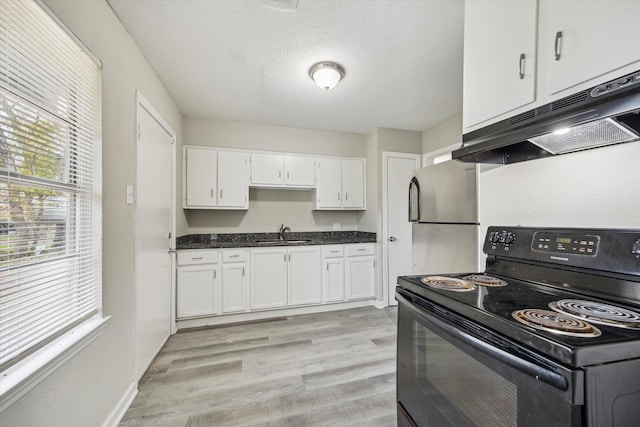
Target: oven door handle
[(533, 370)]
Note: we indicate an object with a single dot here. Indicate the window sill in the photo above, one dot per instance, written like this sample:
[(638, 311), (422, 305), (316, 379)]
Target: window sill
[(25, 375)]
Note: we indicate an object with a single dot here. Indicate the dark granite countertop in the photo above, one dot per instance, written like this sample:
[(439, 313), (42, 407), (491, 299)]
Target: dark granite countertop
[(252, 240)]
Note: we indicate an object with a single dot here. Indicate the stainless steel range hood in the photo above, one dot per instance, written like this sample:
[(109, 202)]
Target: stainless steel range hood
[(603, 115)]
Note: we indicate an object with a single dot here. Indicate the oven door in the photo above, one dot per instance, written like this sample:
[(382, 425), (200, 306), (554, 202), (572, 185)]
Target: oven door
[(449, 376)]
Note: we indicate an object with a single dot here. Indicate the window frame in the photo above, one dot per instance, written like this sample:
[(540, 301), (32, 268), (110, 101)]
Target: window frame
[(41, 361)]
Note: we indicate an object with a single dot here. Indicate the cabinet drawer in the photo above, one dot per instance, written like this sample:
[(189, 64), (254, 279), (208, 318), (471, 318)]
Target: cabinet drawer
[(197, 257), (333, 251), (361, 249), (234, 256)]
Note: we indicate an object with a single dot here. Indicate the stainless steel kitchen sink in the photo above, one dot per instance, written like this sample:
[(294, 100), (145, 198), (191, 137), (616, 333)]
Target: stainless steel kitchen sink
[(281, 242)]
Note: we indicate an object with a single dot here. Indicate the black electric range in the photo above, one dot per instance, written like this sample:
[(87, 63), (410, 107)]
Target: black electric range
[(560, 306)]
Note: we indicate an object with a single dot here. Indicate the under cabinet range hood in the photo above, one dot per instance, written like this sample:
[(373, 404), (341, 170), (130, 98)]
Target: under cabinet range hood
[(602, 115)]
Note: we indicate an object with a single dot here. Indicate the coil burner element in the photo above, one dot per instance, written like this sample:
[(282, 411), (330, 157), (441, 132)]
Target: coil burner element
[(448, 283), (557, 323), (484, 280), (595, 312)]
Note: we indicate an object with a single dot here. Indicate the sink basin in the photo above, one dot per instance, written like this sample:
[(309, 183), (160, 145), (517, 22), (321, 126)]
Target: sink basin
[(281, 242)]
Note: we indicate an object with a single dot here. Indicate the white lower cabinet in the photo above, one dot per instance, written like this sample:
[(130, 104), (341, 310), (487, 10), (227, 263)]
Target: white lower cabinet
[(218, 282), (198, 284), (285, 276), (360, 271), (304, 275), (333, 273), (235, 283), (268, 278)]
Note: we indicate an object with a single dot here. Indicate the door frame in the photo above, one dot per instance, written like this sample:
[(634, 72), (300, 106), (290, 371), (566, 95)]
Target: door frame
[(385, 215), (143, 103)]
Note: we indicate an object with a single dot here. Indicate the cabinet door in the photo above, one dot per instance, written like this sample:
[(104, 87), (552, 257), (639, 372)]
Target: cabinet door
[(233, 186), (360, 277), (234, 288), (268, 278), (333, 279), (267, 169), (353, 184), (200, 165), (305, 275), (198, 291), (328, 183), (597, 37), (496, 34), (299, 171)]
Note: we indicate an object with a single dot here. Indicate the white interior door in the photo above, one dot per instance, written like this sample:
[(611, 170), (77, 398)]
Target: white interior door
[(396, 230), (154, 287)]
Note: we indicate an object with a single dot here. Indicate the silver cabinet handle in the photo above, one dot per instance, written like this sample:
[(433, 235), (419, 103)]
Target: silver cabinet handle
[(556, 46), (346, 196), (338, 195), (287, 174), (521, 65), (360, 250), (234, 256), (392, 239), (221, 193), (279, 174), (196, 258), (215, 274), (242, 271), (212, 193)]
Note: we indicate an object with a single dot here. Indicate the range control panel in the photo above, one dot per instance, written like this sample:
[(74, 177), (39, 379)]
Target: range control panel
[(578, 244), (601, 249)]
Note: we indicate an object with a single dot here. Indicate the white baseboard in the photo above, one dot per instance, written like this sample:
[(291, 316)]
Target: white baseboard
[(117, 413), (380, 304), (267, 314)]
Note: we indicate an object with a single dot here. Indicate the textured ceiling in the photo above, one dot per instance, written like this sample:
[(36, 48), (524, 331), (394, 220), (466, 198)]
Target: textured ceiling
[(249, 61)]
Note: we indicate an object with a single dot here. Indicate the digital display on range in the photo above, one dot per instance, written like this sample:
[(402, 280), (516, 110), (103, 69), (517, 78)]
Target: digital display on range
[(578, 244)]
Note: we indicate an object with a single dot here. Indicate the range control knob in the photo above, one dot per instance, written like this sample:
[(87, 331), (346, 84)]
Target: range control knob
[(494, 236), (635, 249), (511, 238)]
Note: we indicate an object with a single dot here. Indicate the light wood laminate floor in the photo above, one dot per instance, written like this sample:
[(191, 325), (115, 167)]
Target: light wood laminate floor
[(324, 369)]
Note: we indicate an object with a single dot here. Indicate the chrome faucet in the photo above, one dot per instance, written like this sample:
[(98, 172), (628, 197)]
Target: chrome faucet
[(283, 230)]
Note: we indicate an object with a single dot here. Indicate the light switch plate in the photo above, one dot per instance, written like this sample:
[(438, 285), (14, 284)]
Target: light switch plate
[(129, 194)]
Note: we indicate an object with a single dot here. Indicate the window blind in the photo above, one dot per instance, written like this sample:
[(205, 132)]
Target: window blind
[(50, 183)]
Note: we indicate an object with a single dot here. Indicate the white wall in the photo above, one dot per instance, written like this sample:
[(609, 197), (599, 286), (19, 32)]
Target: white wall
[(270, 208), (444, 134), (594, 188), (383, 139), (86, 389)]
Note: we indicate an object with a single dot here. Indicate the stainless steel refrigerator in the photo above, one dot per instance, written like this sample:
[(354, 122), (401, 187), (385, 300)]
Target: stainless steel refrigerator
[(443, 207)]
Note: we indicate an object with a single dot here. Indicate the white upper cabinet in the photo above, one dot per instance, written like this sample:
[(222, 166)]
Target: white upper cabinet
[(267, 169), (353, 184), (593, 39), (340, 184), (233, 186), (215, 179), (329, 185), (299, 171), (499, 57), (201, 178), (568, 46), (278, 170)]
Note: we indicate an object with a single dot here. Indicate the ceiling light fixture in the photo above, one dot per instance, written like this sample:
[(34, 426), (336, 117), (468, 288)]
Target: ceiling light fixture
[(326, 74)]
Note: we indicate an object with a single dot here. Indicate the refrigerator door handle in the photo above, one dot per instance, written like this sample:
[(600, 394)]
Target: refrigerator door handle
[(414, 200)]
